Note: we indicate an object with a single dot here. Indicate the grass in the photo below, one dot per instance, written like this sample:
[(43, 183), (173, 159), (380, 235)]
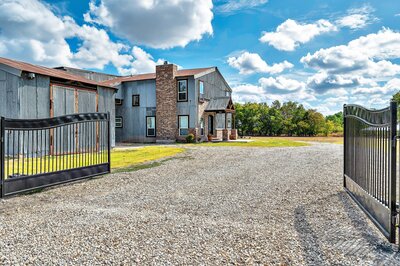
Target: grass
[(127, 158), (333, 140), (257, 142), (121, 160)]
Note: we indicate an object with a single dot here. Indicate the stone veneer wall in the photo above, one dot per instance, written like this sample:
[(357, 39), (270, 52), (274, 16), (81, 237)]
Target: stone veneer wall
[(166, 97)]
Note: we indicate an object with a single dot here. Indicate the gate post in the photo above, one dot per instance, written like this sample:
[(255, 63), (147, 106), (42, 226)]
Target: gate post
[(109, 140), (2, 157), (393, 169), (344, 145)]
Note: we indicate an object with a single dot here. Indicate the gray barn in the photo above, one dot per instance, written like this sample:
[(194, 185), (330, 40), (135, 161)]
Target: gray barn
[(28, 92)]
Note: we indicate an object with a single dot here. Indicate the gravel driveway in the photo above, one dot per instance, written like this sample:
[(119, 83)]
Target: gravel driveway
[(214, 205)]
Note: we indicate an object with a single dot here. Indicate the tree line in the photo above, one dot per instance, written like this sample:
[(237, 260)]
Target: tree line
[(289, 118)]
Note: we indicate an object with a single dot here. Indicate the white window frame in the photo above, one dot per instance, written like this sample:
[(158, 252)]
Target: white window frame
[(118, 101), (153, 128), (183, 128), (185, 92), (133, 102), (119, 122), (201, 91)]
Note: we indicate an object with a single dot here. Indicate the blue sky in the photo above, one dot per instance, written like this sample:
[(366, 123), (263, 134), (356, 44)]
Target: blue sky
[(320, 53)]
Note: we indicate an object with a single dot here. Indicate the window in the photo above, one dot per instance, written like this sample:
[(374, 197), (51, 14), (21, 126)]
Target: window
[(183, 125), (182, 90), (201, 89), (202, 126), (118, 101), (229, 120), (135, 100), (118, 122), (150, 126), (227, 93)]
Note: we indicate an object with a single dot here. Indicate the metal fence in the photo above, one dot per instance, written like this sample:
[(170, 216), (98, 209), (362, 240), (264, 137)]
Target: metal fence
[(370, 163), (37, 153)]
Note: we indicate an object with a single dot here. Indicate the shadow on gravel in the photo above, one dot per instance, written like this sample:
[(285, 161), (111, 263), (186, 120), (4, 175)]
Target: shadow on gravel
[(386, 253), (356, 238), (309, 241)]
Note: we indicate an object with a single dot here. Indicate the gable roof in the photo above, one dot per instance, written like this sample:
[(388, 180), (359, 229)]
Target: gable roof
[(220, 104), (51, 72), (149, 76)]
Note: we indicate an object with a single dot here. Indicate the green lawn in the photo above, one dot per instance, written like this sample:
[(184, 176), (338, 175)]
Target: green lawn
[(120, 160), (334, 140), (126, 158), (257, 142)]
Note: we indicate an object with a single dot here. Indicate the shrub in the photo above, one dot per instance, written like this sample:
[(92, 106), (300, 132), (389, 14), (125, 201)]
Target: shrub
[(190, 138)]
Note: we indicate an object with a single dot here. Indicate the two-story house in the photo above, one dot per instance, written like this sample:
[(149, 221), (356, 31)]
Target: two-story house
[(169, 104)]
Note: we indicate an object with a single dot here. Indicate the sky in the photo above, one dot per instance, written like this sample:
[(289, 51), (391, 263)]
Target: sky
[(321, 54)]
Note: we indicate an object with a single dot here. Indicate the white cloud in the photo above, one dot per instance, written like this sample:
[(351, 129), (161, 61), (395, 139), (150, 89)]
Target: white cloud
[(25, 33), (290, 34), (281, 85), (271, 89), (390, 87), (234, 5), (142, 63), (28, 37), (357, 18), (366, 56), (158, 24), (248, 63)]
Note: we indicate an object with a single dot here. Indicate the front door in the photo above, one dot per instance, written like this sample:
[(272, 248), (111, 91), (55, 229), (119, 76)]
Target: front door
[(210, 125)]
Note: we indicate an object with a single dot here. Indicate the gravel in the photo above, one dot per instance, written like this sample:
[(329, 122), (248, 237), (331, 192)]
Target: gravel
[(212, 205)]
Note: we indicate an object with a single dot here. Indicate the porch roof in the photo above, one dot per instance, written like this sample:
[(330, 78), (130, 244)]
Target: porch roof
[(220, 104)]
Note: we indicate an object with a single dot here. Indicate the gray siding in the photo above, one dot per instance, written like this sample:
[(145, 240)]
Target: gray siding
[(214, 85), (9, 102), (107, 104), (189, 107), (134, 117), (34, 97)]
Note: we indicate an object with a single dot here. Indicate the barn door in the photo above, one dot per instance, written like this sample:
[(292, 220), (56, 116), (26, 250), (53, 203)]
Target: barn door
[(69, 100)]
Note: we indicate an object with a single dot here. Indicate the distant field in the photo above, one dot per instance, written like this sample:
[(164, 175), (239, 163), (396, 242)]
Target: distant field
[(258, 142), (335, 140)]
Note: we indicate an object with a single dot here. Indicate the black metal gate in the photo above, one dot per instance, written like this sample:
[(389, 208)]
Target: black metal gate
[(370, 163), (37, 153)]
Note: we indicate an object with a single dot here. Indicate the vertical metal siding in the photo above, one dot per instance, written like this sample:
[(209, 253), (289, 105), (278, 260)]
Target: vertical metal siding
[(134, 117)]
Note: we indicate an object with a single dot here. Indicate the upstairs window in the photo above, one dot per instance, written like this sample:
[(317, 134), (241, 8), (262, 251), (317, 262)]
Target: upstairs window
[(183, 125), (201, 89), (135, 100), (119, 122), (151, 126), (118, 101), (182, 90), (227, 93)]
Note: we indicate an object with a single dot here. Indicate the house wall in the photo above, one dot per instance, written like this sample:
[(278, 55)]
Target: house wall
[(189, 107), (214, 87), (134, 117)]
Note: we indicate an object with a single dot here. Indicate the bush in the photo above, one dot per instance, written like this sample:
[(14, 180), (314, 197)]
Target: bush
[(190, 138)]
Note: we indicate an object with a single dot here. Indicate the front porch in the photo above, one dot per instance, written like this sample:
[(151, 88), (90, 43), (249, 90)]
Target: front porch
[(220, 120)]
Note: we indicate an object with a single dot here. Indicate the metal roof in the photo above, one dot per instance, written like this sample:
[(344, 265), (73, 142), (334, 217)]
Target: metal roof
[(150, 76), (219, 104), (22, 66)]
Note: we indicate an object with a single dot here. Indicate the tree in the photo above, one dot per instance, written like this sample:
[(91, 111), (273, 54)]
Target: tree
[(289, 118)]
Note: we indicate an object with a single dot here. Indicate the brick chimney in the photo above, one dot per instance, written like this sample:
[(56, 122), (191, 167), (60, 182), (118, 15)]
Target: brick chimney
[(166, 98)]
